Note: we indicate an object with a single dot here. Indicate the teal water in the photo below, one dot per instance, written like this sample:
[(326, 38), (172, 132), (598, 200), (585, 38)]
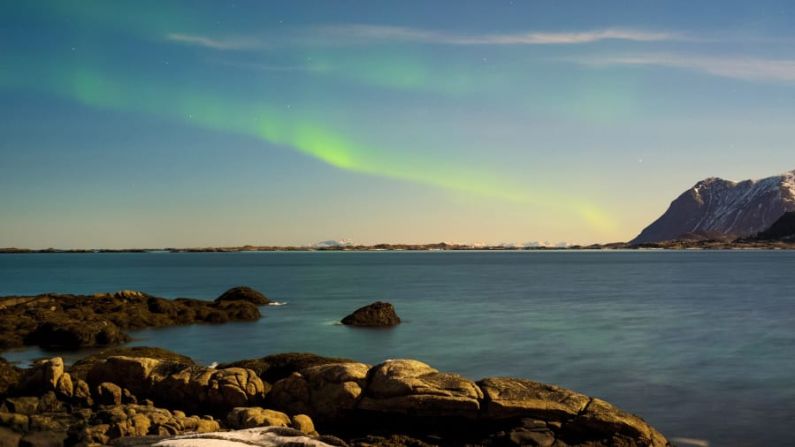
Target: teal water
[(699, 343)]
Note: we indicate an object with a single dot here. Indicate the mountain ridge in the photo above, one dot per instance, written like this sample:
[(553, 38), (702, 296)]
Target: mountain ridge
[(724, 208)]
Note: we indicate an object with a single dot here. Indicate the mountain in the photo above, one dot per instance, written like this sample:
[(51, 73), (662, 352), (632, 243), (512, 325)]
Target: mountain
[(717, 209), (782, 230)]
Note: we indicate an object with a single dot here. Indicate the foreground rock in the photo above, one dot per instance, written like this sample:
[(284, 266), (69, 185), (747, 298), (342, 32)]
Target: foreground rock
[(113, 422), (412, 387), (156, 400), (177, 386), (378, 314), (506, 397), (406, 402), (78, 321), (278, 366), (329, 392), (81, 368)]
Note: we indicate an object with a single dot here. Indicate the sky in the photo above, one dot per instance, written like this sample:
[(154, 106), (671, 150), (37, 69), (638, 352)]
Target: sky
[(129, 124)]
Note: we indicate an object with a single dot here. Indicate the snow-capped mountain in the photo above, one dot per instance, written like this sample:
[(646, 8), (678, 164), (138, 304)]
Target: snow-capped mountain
[(718, 208)]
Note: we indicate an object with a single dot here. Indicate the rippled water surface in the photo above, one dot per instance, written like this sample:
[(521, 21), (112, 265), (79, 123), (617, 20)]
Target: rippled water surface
[(701, 344)]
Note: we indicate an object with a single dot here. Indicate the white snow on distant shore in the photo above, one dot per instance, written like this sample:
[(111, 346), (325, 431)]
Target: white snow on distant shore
[(333, 243), (545, 244)]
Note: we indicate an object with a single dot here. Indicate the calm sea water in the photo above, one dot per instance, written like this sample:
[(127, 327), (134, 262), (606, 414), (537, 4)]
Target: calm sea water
[(701, 344)]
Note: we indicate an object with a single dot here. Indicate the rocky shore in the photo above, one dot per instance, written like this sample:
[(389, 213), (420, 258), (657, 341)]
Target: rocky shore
[(82, 321), (149, 396), (143, 396)]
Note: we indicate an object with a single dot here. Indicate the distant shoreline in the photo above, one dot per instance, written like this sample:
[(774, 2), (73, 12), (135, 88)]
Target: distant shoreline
[(672, 245)]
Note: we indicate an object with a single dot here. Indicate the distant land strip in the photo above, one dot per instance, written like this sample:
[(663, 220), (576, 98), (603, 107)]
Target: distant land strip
[(442, 246)]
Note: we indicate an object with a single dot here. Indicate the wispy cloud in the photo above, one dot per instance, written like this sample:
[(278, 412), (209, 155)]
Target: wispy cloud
[(225, 43), (369, 33), (358, 34), (735, 67)]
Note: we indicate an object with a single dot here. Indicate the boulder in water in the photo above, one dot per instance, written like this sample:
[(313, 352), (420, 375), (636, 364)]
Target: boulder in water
[(378, 314)]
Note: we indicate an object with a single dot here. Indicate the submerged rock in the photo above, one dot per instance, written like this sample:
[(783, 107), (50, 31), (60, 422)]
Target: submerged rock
[(378, 314)]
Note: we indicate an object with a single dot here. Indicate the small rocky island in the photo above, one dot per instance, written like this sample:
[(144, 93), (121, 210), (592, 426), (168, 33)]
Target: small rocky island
[(149, 396), (378, 314), (83, 321)]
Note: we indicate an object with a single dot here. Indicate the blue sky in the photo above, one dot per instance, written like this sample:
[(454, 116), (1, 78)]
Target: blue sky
[(149, 124)]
